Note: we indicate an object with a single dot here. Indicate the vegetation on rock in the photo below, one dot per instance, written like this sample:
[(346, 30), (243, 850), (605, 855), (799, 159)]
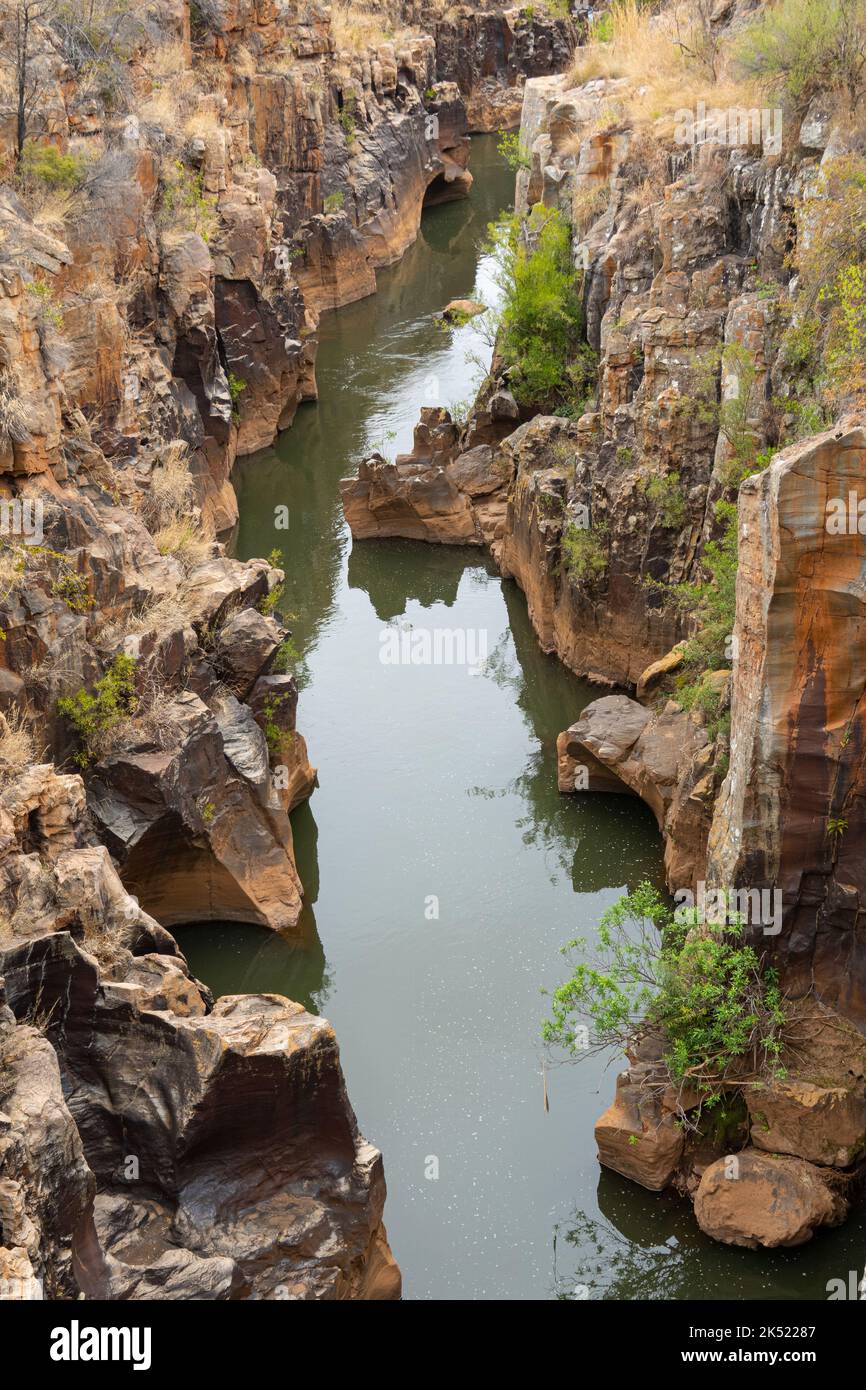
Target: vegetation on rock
[(719, 1009)]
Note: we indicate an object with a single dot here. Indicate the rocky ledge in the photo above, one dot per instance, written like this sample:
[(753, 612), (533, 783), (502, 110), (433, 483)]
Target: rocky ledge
[(153, 1144)]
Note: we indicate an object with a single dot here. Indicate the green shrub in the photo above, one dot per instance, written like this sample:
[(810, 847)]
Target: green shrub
[(93, 713), (44, 164), (706, 697), (666, 495), (183, 204), (541, 326), (347, 120), (72, 589), (800, 48), (237, 386), (286, 657), (334, 201), (584, 553), (269, 602), (719, 1010), (273, 733), (712, 600), (516, 155)]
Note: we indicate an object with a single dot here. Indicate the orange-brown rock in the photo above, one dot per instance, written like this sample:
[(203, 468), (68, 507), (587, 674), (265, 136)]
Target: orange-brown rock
[(636, 1136), (664, 757), (754, 1199), (415, 500), (817, 1110), (798, 722)]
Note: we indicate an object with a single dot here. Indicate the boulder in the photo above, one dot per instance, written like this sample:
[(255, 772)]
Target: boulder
[(753, 1199), (415, 500), (637, 1136), (244, 645)]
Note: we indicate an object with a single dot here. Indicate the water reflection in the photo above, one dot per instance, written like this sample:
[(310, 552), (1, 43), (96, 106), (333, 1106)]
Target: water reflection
[(393, 573)]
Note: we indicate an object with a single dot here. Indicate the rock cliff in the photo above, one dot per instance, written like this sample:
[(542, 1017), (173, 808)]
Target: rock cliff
[(681, 508), (199, 182)]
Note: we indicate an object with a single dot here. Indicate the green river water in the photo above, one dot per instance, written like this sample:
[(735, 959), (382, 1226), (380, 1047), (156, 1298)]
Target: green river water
[(438, 783)]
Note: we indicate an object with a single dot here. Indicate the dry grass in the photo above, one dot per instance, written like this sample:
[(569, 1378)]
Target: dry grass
[(13, 561), (183, 539), (357, 28), (154, 721), (202, 124), (169, 105), (52, 209), (662, 79), (17, 746), (161, 617), (171, 490), (243, 62), (168, 60), (15, 413)]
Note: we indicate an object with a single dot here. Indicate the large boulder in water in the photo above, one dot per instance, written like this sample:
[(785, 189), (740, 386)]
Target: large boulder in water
[(754, 1199)]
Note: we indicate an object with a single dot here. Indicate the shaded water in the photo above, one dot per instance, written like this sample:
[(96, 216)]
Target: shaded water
[(438, 784)]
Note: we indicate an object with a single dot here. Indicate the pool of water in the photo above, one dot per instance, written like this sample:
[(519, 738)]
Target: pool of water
[(442, 869)]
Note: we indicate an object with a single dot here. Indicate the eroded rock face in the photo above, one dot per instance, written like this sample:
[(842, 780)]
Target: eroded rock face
[(197, 826), (637, 1136), (219, 1137), (753, 1199), (798, 718), (416, 500), (663, 756), (490, 55), (46, 1186), (818, 1110)]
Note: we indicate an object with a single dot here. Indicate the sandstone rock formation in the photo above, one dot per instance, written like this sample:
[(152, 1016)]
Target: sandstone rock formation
[(637, 1136), (683, 262), (797, 716), (212, 178), (665, 757), (753, 1199), (219, 1139)]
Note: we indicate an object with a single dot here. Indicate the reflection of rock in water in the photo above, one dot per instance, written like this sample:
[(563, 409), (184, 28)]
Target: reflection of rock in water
[(394, 572)]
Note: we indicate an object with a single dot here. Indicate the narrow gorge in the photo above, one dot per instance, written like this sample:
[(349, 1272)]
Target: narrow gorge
[(430, 543)]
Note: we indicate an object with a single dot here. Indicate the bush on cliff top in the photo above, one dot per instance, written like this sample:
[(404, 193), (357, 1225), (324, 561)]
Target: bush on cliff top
[(541, 323), (801, 48), (719, 1009)]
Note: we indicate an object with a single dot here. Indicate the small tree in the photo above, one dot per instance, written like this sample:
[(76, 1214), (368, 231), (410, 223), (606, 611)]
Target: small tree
[(711, 998), (17, 54)]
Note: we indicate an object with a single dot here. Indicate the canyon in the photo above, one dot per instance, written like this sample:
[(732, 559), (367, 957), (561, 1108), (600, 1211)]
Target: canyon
[(207, 182), (684, 263), (181, 256)]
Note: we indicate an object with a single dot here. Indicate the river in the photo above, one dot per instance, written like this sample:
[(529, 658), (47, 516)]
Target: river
[(442, 869)]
